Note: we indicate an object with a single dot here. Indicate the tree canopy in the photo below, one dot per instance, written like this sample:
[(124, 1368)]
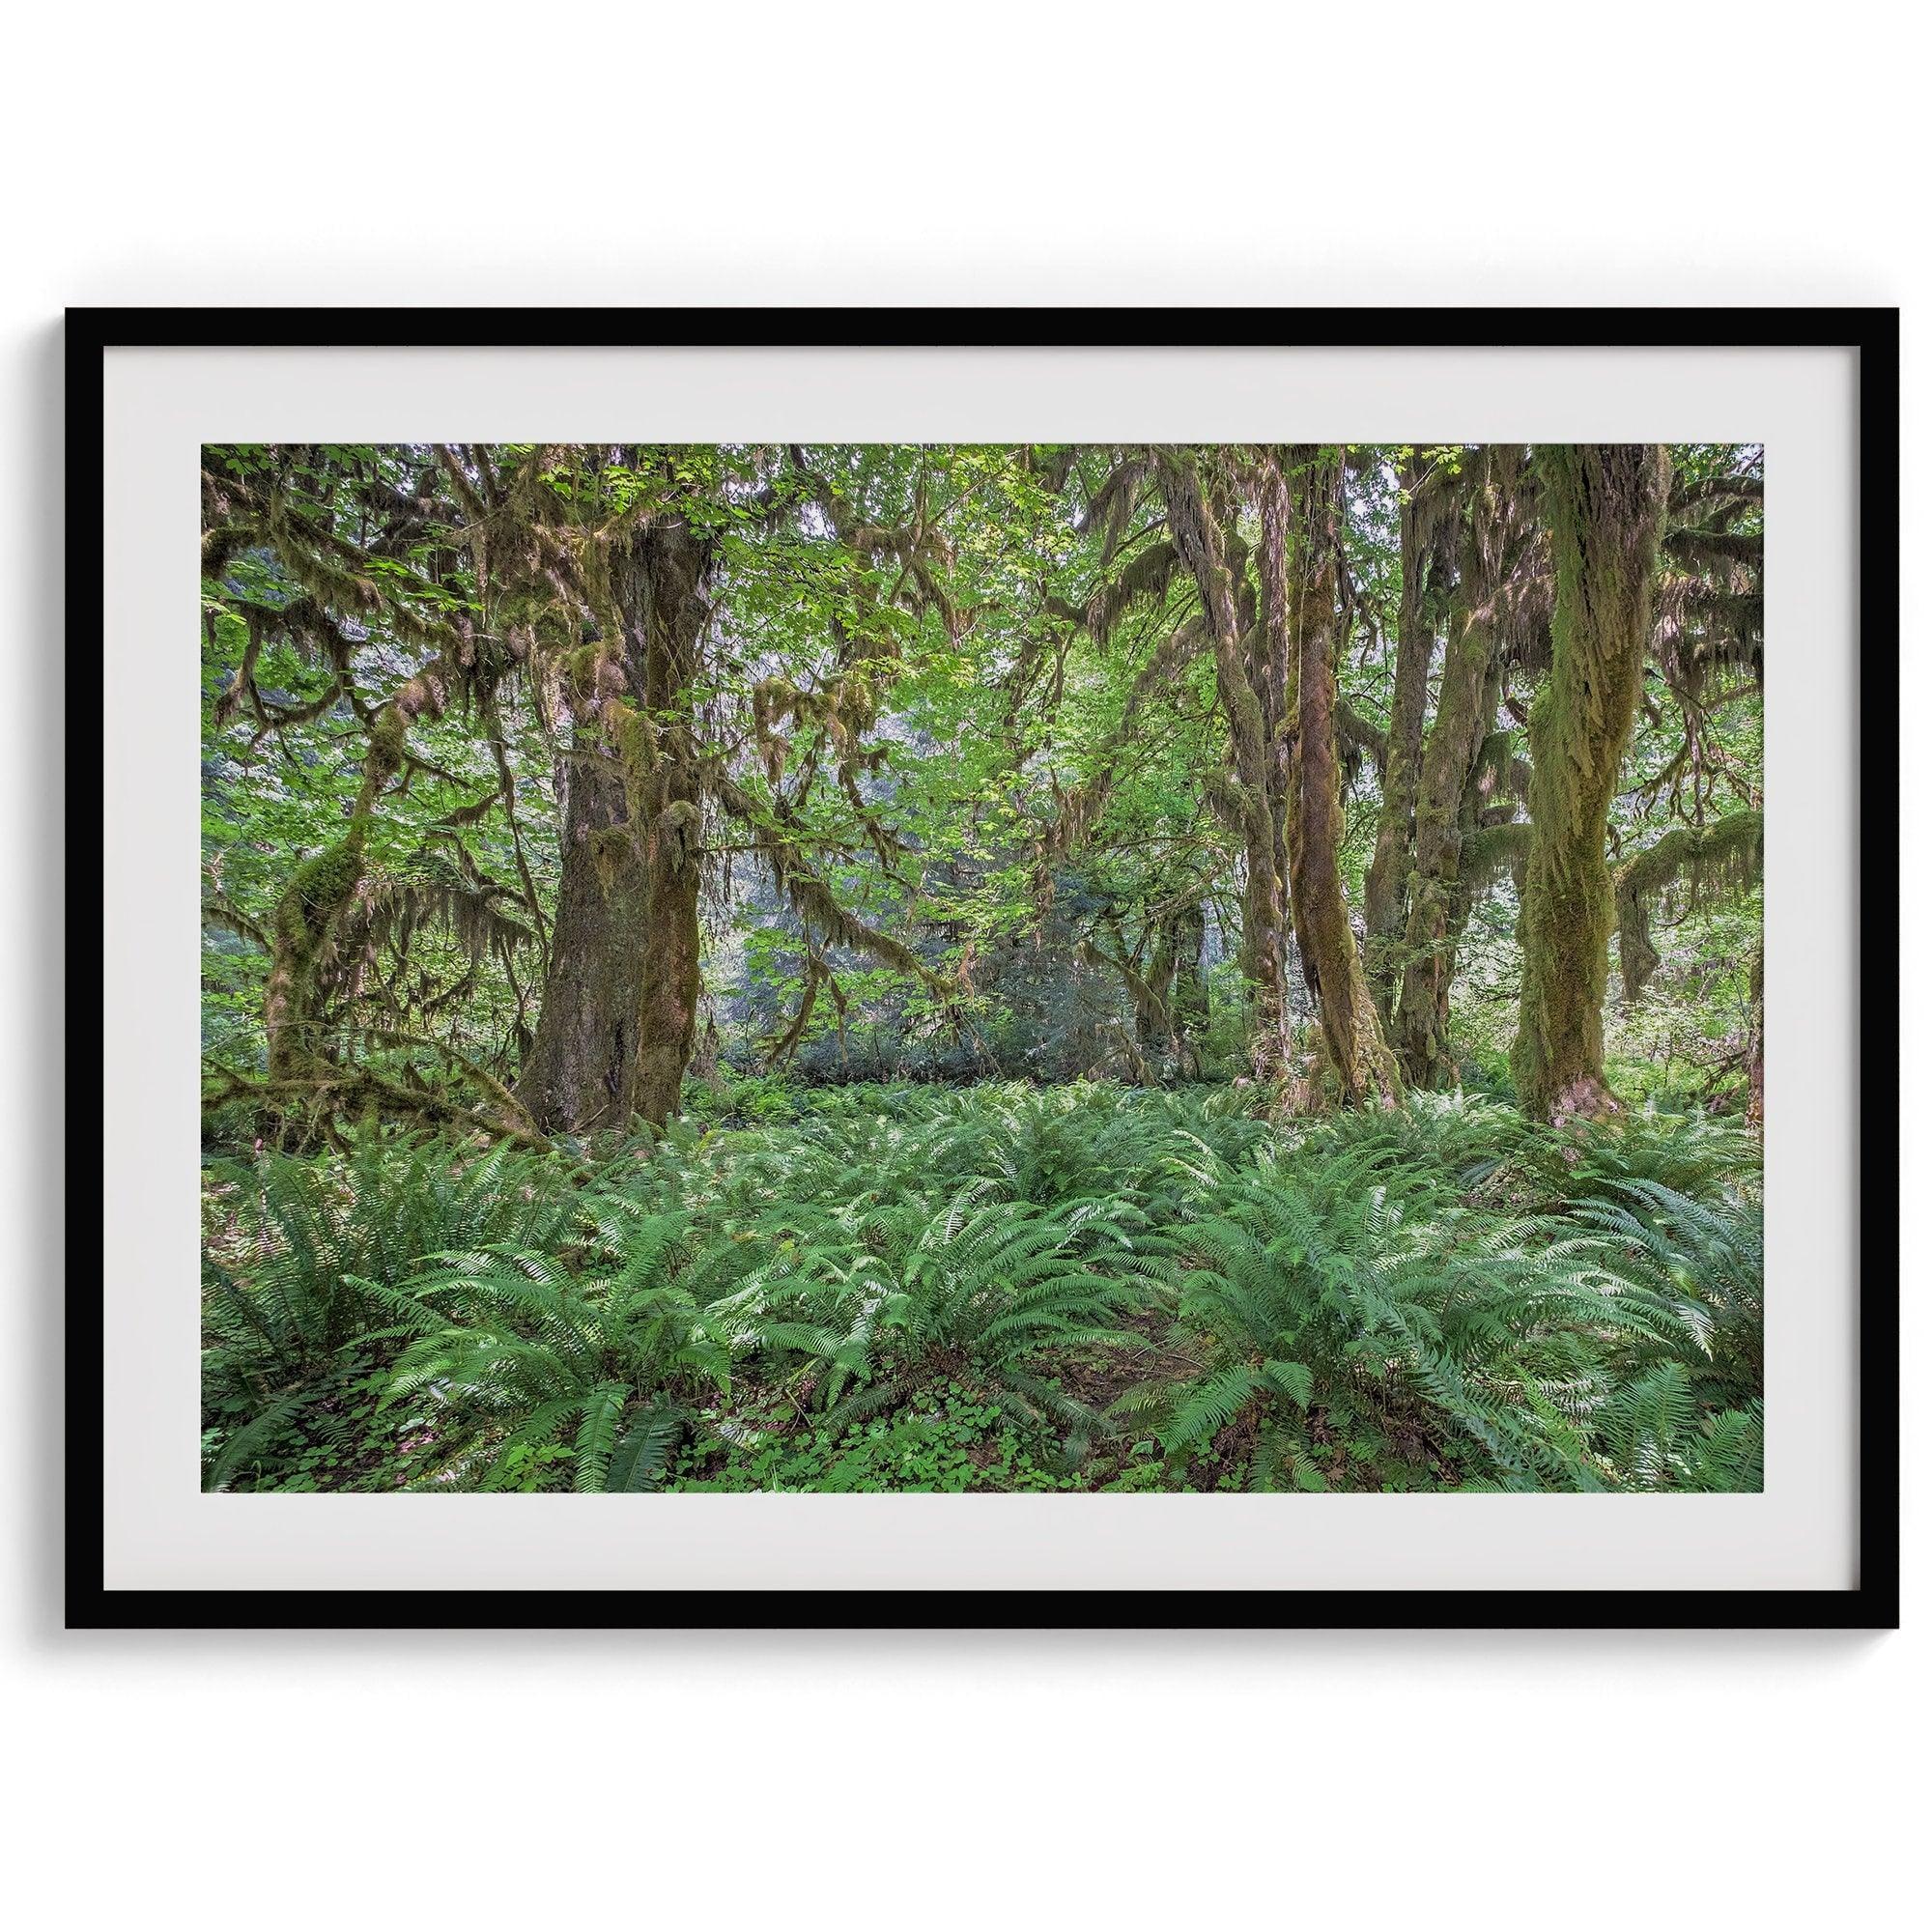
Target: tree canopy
[(536, 776)]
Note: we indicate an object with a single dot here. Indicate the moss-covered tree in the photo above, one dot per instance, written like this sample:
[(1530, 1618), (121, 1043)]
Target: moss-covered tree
[(1426, 541), (1252, 686), (1605, 505), (620, 1008), (529, 766), (1487, 609), (1300, 515)]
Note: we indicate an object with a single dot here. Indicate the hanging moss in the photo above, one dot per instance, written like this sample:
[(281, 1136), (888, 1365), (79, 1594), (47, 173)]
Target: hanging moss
[(676, 835), (1688, 867), (573, 670), (389, 742), (317, 889), (631, 732), (1489, 852), (613, 848), (316, 892), (1499, 774)]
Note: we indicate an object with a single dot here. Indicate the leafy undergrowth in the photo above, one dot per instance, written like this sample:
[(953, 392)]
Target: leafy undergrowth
[(997, 1289)]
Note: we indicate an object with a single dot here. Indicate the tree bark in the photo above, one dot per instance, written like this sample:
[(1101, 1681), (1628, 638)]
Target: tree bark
[(1464, 706), (662, 583), (1754, 1045), (619, 1013), (1253, 746), (1299, 538), (1385, 889), (1187, 1008), (1606, 505), (1421, 1018), (577, 1068)]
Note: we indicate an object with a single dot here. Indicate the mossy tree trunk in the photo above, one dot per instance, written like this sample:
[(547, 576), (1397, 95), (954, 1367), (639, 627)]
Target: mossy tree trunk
[(1170, 1003), (1385, 889), (578, 1070), (619, 1014), (1255, 745), (1420, 1020), (1152, 996), (1754, 1045), (321, 889), (1464, 709), (663, 584), (1605, 506), (315, 898), (1188, 1006), (1301, 538)]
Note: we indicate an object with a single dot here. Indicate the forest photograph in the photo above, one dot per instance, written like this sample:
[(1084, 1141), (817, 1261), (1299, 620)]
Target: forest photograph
[(1019, 968)]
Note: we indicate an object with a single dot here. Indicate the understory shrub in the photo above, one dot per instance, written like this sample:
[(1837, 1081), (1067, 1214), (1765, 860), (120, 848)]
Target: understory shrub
[(999, 1287)]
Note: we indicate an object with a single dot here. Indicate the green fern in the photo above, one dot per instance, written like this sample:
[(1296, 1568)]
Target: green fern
[(302, 1265), (1338, 1286), (1442, 1294)]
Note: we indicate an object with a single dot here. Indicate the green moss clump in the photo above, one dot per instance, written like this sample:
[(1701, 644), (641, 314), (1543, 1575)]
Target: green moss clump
[(637, 752), (389, 742), (317, 888), (612, 849)]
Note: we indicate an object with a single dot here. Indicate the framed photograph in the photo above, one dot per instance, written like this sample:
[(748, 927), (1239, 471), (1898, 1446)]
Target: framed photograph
[(1014, 967)]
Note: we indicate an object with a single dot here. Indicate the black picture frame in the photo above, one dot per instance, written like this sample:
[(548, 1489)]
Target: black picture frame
[(1871, 1605)]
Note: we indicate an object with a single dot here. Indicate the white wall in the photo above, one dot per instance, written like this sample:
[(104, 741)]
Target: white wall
[(247, 154)]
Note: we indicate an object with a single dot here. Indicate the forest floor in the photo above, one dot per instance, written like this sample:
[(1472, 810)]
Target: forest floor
[(998, 1288)]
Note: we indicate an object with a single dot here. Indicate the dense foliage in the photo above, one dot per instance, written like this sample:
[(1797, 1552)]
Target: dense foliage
[(852, 967), (999, 1288)]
